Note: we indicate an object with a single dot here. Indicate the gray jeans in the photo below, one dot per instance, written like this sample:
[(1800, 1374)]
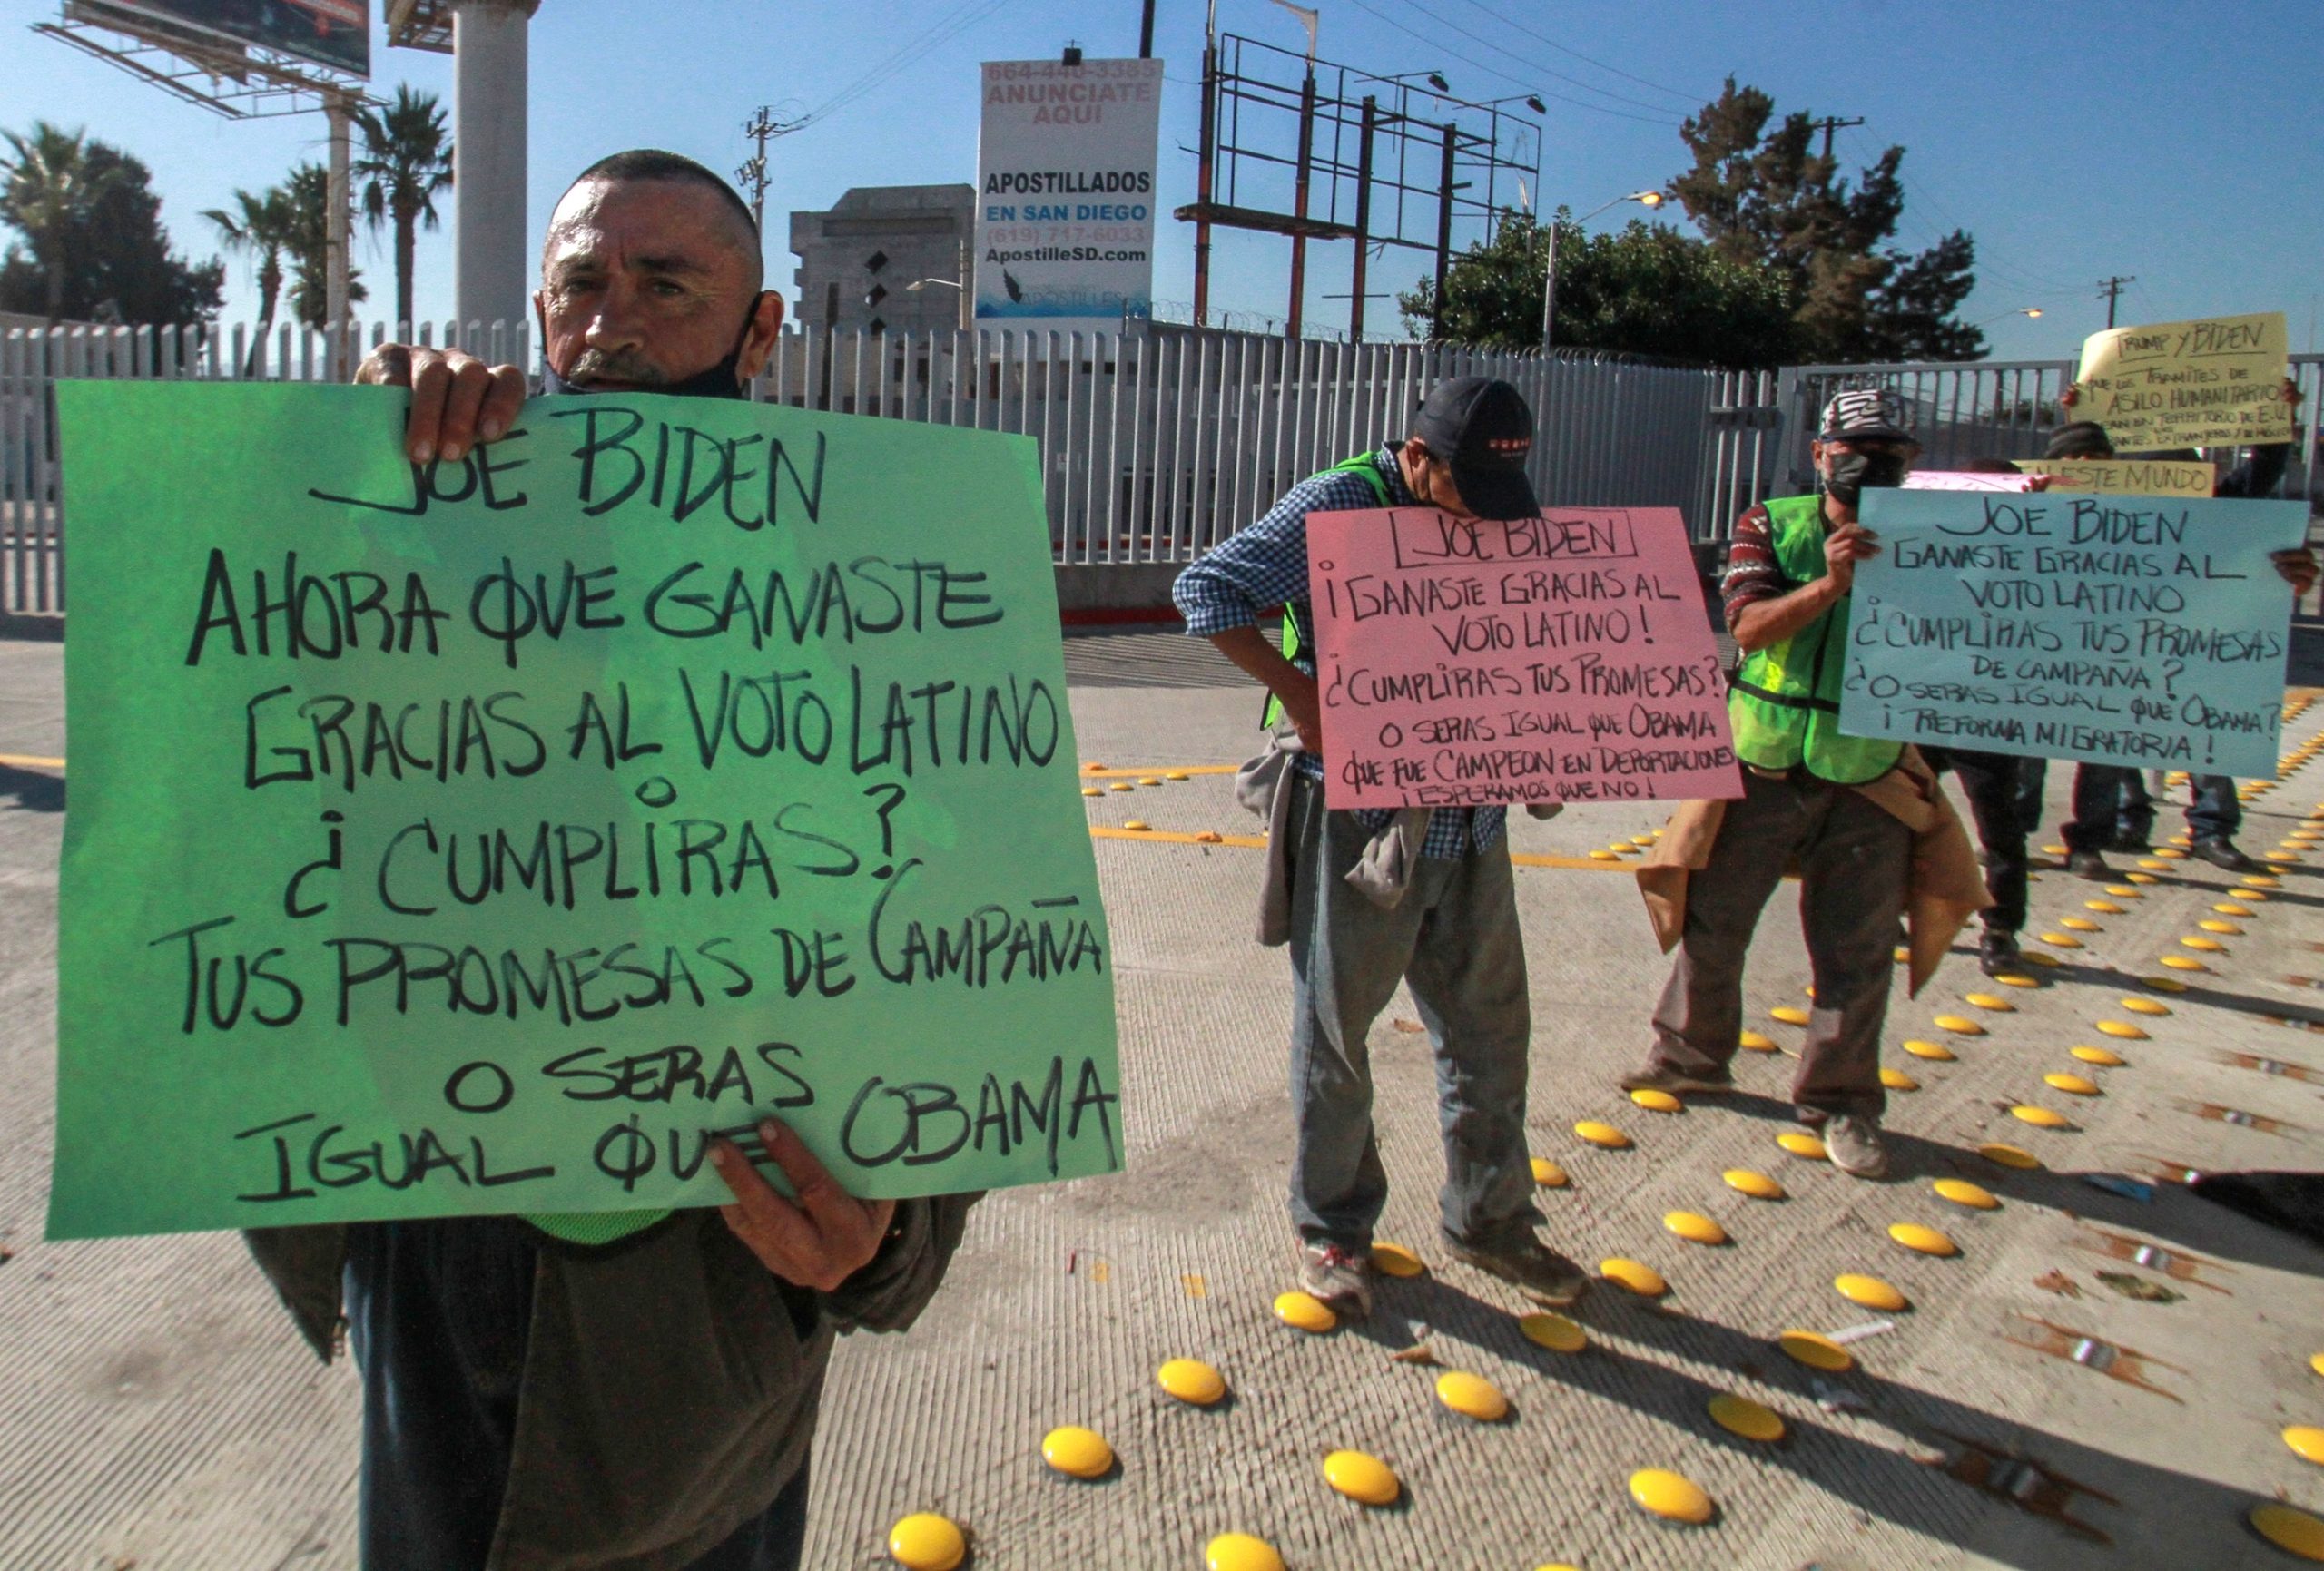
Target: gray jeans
[(1854, 861), (1454, 939)]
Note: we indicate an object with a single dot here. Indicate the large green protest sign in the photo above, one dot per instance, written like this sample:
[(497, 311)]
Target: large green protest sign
[(484, 837)]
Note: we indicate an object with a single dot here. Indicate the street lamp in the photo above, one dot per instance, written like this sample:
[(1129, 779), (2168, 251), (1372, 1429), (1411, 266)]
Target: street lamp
[(914, 287), (2020, 311), (1646, 199), (1433, 78)]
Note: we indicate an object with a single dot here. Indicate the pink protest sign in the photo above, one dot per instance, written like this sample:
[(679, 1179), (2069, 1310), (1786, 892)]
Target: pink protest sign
[(1563, 658), (1965, 480)]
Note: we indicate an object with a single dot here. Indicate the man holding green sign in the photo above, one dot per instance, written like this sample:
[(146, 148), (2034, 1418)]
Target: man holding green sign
[(605, 775)]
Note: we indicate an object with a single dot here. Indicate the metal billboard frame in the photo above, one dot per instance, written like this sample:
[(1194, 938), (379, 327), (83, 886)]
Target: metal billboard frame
[(1344, 116)]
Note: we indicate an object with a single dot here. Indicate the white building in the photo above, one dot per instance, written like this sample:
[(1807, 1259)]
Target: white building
[(858, 260)]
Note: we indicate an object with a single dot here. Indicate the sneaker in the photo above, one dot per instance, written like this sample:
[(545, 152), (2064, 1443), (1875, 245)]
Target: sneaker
[(1853, 1143), (1342, 1280), (2088, 865), (2221, 852), (1651, 1078), (1542, 1271), (1998, 955)]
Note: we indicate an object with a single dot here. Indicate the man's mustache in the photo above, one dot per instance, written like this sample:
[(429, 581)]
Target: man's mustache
[(621, 366)]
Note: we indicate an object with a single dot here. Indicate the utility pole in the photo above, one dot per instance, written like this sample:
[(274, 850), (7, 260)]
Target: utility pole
[(1203, 166), (1299, 200), (1363, 222), (1146, 33), (2113, 289), (1444, 187), (338, 108), (1828, 124), (751, 174)]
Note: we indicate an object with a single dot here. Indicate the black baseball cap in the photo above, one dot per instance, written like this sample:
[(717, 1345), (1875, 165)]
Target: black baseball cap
[(1483, 431), (2080, 439)]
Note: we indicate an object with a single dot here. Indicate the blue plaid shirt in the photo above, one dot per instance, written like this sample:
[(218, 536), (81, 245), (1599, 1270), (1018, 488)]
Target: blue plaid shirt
[(1266, 564)]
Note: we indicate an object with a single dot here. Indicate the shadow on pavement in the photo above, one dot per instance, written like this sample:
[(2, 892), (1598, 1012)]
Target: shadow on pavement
[(2306, 666), (1916, 1491), (2201, 1230), (32, 789)]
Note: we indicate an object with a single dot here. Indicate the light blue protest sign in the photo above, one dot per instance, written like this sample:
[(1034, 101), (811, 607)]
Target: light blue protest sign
[(2133, 630)]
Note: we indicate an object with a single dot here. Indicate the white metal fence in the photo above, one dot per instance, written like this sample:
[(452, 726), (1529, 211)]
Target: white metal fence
[(1156, 443), (1159, 442), (1974, 409), (32, 501)]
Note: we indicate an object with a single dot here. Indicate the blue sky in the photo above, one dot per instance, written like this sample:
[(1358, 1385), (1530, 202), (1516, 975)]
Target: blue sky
[(2072, 147)]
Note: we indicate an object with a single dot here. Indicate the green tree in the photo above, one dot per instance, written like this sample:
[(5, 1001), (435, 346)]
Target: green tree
[(97, 252), (261, 226), (308, 247), (1913, 316), (52, 190), (1764, 196), (1645, 290), (405, 165)]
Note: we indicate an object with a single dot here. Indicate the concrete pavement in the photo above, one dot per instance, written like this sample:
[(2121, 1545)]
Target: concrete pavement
[(156, 1408)]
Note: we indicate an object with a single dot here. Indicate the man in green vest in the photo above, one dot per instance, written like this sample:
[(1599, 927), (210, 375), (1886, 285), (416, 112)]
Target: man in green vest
[(1790, 567)]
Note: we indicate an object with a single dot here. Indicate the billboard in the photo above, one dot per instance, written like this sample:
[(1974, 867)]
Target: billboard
[(336, 34), (1065, 194)]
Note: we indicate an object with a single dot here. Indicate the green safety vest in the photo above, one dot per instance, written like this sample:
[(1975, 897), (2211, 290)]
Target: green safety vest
[(1362, 465), (1785, 702)]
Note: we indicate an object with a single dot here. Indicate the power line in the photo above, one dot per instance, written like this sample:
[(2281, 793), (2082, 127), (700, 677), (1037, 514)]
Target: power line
[(2019, 278), (1496, 72), (1442, 20), (1692, 99), (950, 26)]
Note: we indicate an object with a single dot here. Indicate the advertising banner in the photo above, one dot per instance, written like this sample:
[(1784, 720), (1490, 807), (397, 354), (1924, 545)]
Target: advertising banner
[(1065, 194), (331, 33)]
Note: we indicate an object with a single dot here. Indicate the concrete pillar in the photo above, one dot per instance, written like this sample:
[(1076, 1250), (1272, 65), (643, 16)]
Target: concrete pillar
[(342, 220), (492, 275)]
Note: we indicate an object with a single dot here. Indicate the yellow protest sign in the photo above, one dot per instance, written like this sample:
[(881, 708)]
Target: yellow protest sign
[(2126, 477), (2193, 384)]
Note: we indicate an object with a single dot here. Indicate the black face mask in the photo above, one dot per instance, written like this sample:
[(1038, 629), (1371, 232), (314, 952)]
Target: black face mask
[(722, 380), (1852, 472)]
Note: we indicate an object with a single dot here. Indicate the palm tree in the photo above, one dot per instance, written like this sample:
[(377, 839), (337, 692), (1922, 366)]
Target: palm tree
[(51, 188), (264, 228), (308, 248), (405, 165)]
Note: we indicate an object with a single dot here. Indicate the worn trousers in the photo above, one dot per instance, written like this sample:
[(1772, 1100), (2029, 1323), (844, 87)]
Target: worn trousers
[(438, 1314), (1453, 939), (1853, 861), (1995, 783), (2111, 802)]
